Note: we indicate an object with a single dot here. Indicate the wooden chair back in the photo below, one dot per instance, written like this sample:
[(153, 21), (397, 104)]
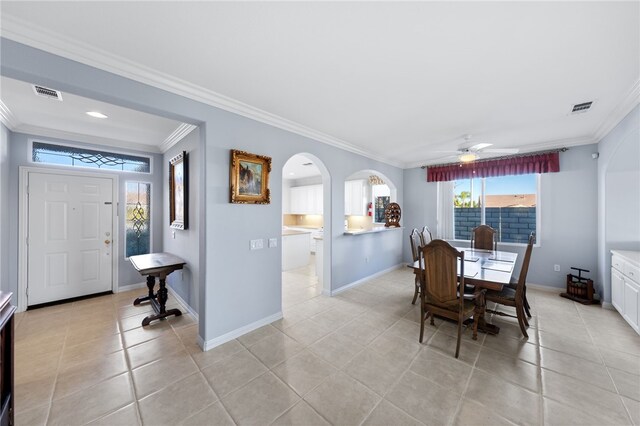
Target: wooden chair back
[(522, 278), (415, 241), (484, 237), (439, 269), (425, 236)]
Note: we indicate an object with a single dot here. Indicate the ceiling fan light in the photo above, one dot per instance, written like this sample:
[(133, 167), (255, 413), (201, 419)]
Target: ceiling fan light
[(467, 157)]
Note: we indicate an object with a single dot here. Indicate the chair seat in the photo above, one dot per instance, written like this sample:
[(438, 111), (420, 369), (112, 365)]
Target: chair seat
[(469, 306), (507, 293)]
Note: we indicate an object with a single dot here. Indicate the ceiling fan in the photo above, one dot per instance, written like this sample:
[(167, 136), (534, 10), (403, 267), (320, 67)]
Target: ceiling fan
[(468, 151)]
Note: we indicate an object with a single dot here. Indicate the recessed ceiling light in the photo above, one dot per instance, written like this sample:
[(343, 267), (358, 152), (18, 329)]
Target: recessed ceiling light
[(96, 114), (291, 174)]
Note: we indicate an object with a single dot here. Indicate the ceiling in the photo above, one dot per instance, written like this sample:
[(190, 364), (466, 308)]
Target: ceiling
[(397, 82), (42, 116), (295, 168)]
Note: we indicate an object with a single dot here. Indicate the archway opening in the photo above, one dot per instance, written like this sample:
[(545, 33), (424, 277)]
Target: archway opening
[(367, 194), (306, 216)]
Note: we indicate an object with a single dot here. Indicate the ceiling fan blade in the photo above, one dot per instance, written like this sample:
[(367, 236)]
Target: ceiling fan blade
[(501, 151), (448, 158)]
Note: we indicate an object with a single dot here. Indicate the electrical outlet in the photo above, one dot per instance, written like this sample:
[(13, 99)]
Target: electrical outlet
[(366, 260), (556, 268), (257, 244), (273, 242), (173, 234)]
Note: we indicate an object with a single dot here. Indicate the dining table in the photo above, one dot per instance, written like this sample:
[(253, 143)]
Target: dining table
[(484, 269)]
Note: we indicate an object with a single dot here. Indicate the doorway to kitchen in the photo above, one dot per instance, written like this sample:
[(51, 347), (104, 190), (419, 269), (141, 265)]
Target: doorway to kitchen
[(305, 223)]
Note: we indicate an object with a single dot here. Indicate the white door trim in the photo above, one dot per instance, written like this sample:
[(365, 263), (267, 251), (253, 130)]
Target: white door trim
[(23, 223)]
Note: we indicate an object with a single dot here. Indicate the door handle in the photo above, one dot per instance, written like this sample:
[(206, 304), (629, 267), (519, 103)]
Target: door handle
[(107, 241)]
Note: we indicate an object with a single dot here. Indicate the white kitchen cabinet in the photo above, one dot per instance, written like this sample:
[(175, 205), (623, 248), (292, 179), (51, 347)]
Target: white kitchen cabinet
[(631, 292), (625, 290), (355, 198), (306, 199), (617, 290)]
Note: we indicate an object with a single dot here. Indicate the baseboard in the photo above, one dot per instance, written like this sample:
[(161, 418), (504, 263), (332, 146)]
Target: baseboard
[(183, 303), (546, 288), (210, 344), (365, 279), (130, 287), (609, 306)]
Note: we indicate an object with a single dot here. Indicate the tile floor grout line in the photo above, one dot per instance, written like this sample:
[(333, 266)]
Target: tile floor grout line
[(615, 386), (55, 382)]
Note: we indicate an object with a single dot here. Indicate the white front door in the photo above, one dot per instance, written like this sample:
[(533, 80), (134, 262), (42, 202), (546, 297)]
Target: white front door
[(70, 236)]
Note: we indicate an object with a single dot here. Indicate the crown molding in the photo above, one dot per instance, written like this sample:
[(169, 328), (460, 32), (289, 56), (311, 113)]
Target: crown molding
[(7, 118), (80, 137), (26, 33), (542, 146), (619, 112), (178, 134)]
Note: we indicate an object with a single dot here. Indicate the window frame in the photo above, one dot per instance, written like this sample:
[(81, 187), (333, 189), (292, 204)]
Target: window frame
[(538, 214), (124, 216), (92, 147)]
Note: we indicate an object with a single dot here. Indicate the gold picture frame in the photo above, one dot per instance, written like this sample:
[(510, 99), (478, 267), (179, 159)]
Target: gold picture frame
[(179, 191), (249, 180)]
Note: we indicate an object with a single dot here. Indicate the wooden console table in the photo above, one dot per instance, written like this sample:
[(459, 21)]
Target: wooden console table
[(157, 265)]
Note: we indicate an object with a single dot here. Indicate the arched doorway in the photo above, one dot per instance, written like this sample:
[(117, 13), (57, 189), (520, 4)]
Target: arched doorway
[(306, 224)]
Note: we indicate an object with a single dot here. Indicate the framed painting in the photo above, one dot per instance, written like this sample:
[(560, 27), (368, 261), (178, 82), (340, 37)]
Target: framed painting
[(249, 182), (179, 191)]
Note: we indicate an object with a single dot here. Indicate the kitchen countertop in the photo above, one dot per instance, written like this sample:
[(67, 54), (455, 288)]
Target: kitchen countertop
[(287, 232), (369, 231)]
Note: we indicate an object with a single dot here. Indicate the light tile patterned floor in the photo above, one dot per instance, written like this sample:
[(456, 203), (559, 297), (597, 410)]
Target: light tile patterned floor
[(348, 360)]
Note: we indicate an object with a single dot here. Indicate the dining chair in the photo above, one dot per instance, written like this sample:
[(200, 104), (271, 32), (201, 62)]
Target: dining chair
[(484, 237), (438, 267), (514, 285), (515, 297), (415, 240), (425, 236)]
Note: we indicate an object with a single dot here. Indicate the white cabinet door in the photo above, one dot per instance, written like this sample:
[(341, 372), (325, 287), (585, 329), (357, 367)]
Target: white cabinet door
[(631, 293), (317, 199), (297, 200), (617, 290), (354, 198)]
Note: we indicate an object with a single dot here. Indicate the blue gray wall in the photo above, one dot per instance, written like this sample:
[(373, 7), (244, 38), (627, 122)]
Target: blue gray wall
[(241, 286), (618, 195), (186, 282), (19, 156), (568, 201)]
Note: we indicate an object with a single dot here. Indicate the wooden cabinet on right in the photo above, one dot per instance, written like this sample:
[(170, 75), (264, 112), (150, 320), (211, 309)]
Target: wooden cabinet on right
[(625, 290)]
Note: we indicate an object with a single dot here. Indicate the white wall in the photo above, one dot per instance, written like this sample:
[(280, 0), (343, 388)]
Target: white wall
[(186, 244), (618, 195), (4, 210), (568, 201)]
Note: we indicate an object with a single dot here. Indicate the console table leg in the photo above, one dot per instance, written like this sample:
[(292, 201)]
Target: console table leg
[(162, 295), (151, 282)]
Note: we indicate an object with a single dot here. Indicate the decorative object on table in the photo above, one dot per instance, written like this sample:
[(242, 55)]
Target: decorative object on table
[(579, 288), (158, 265), (179, 191), (249, 181), (392, 215)]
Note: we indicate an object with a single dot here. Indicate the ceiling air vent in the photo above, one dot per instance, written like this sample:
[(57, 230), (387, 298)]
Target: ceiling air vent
[(45, 92), (583, 107), (307, 164)]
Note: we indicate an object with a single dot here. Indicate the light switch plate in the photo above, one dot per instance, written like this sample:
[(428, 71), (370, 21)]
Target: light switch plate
[(273, 242), (257, 244)]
